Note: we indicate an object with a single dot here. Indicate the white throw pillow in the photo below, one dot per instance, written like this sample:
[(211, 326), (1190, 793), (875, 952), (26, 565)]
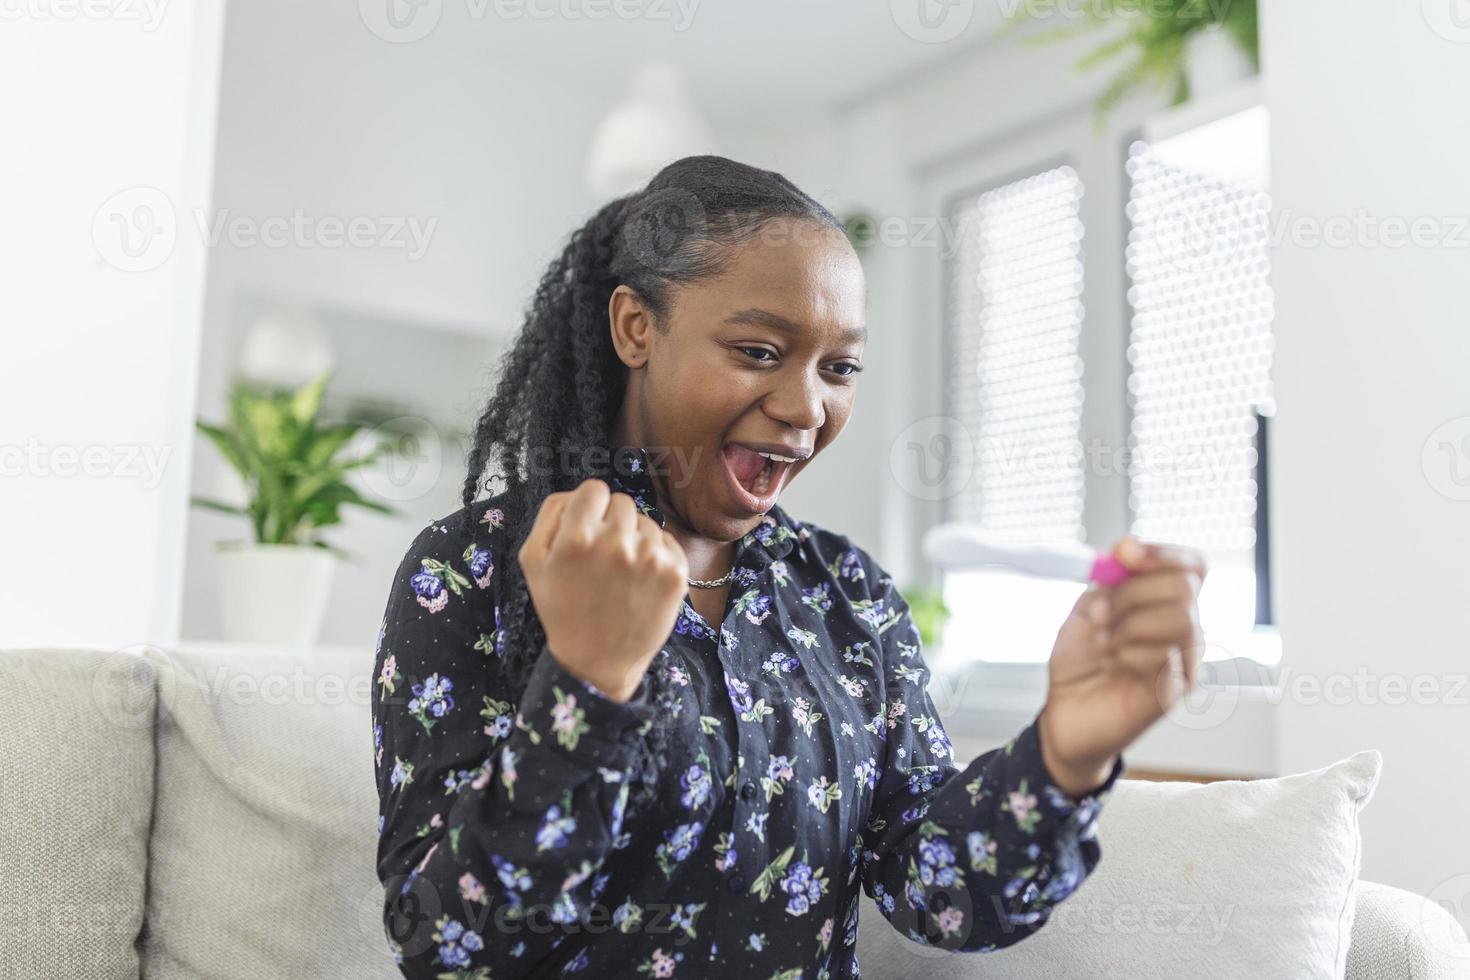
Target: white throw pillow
[(1241, 878)]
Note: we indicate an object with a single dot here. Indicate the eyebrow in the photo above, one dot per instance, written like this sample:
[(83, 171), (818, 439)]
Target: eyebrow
[(765, 318)]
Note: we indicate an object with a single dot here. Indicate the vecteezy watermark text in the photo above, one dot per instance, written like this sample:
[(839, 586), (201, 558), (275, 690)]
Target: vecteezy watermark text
[(147, 14), (118, 461), (137, 229), (407, 21)]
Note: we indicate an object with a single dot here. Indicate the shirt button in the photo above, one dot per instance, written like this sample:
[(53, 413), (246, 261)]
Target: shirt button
[(747, 791), (736, 882)]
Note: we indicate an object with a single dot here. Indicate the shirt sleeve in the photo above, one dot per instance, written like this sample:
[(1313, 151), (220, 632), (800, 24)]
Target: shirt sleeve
[(493, 817), (970, 859)]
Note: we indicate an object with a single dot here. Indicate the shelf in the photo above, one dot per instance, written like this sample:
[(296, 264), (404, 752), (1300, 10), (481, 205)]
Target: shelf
[(1225, 135), (1171, 122)]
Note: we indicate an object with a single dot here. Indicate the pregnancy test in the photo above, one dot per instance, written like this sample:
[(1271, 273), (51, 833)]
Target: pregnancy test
[(959, 545)]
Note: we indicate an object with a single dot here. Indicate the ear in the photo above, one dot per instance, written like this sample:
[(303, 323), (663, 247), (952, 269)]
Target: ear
[(631, 325)]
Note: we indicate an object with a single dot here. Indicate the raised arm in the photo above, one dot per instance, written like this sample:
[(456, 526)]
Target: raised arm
[(966, 859), (494, 818)]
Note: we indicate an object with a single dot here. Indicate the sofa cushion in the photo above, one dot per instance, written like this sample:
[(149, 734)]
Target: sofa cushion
[(265, 828), (1229, 879), (75, 801)]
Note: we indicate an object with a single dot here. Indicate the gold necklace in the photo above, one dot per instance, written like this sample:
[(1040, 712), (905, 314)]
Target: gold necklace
[(713, 583)]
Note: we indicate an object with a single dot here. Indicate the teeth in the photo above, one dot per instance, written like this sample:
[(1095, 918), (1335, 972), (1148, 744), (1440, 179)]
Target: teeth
[(779, 458), (763, 479)]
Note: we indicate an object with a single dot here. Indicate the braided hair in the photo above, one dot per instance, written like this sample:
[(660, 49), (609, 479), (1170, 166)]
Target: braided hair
[(561, 385)]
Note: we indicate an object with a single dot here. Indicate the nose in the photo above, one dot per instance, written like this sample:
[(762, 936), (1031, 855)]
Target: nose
[(797, 400)]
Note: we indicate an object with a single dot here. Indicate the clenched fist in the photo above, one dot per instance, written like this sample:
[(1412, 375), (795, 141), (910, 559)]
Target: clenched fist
[(607, 583)]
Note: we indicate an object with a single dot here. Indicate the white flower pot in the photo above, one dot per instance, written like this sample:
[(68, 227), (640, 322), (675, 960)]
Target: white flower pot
[(274, 593), (1213, 62)]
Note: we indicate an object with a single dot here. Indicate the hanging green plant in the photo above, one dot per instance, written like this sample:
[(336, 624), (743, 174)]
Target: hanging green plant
[(1156, 40)]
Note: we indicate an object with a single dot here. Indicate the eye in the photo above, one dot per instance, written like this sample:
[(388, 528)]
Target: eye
[(753, 352), (852, 368)]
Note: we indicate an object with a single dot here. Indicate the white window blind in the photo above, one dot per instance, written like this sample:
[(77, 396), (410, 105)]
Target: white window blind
[(1014, 385), (1199, 353), (1015, 376)]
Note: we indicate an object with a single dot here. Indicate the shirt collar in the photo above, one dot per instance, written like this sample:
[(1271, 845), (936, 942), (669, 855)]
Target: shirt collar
[(769, 541)]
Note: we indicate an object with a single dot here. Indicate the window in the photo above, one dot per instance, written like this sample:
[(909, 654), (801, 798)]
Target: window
[(1199, 352), (1014, 386), (1187, 312)]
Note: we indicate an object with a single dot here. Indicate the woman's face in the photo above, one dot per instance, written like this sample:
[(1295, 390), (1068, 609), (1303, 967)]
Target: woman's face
[(760, 359)]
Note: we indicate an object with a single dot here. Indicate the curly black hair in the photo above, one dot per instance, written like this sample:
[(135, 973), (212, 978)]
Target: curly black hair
[(561, 385)]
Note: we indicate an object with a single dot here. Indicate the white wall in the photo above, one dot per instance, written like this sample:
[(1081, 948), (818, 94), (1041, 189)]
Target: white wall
[(1372, 358), (108, 117), (328, 120)]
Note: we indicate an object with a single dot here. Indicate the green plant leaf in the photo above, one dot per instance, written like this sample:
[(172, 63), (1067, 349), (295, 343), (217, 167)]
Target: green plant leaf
[(1105, 52), (342, 493), (325, 444), (228, 446), (307, 402), (224, 508), (293, 476), (1056, 35), (267, 428), (1157, 35)]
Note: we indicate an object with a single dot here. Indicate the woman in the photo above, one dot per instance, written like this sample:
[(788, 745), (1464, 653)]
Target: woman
[(632, 718)]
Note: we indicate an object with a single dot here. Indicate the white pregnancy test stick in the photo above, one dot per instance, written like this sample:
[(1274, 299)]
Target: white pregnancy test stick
[(967, 546)]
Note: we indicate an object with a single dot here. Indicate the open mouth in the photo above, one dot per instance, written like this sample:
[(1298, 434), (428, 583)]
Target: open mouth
[(755, 477)]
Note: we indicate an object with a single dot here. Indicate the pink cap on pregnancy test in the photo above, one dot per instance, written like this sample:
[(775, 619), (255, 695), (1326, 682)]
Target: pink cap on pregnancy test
[(1108, 570), (959, 545)]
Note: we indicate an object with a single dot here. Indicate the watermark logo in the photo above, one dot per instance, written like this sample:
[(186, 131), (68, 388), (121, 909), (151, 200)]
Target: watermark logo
[(135, 230), (932, 21), (1200, 237), (401, 21), (410, 462), (658, 235), (1450, 19), (1205, 705), (937, 458), (301, 229), (1445, 458), (140, 462), (147, 14), (127, 687), (934, 458), (1447, 932), (406, 21)]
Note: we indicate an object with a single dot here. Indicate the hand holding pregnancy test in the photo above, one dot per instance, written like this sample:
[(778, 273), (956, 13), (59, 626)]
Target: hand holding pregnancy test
[(1127, 652), (965, 545)]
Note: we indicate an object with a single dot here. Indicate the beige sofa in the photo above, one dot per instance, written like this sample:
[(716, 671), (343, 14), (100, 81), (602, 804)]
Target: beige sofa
[(208, 812)]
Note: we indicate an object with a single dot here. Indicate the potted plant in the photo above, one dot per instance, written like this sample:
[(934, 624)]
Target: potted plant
[(273, 587), (1186, 46), (929, 613)]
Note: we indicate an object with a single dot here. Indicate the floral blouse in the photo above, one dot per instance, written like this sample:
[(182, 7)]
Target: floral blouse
[(806, 762)]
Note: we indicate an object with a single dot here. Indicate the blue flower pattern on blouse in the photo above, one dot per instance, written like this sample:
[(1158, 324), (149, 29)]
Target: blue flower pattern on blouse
[(807, 764)]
